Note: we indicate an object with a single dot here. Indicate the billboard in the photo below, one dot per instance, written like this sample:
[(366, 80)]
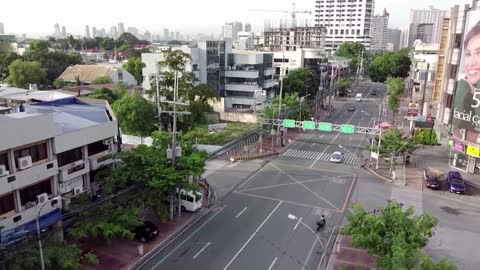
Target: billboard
[(466, 107)]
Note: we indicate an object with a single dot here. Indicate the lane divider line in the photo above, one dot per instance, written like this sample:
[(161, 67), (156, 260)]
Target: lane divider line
[(198, 253), (241, 212)]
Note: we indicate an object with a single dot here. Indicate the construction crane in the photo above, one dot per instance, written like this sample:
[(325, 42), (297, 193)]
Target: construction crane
[(292, 12)]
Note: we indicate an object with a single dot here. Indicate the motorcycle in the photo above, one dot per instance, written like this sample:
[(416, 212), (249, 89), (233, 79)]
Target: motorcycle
[(320, 224)]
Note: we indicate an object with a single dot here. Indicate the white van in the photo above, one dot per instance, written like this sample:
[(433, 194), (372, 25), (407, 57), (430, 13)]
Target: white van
[(190, 200), (359, 97)]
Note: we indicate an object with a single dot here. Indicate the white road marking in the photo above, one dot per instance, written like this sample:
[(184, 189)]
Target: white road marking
[(253, 235), (241, 212), (233, 164), (253, 175), (198, 253), (296, 225), (188, 238), (273, 263), (295, 183)]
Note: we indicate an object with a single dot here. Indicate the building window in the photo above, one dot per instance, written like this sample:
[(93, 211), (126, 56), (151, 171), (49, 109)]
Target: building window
[(453, 71), (341, 32), (69, 156), (4, 160), (96, 147), (336, 31), (29, 194), (7, 203), (120, 75), (38, 152)]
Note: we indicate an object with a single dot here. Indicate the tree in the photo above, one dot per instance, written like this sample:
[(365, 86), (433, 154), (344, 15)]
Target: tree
[(104, 93), (5, 60), (395, 88), (135, 115), (391, 64), (351, 50), (343, 84), (393, 236), (127, 39), (107, 44), (426, 263), (303, 81), (394, 143), (134, 65), (59, 83), (102, 80), (22, 73), (290, 108), (120, 90)]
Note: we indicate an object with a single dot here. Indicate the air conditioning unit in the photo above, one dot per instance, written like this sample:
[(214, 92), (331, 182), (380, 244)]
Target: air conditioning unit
[(77, 190), (108, 141), (24, 162), (3, 170), (42, 198)]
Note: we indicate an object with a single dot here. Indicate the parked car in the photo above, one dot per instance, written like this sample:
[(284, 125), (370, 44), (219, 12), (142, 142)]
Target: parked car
[(373, 93), (146, 232), (336, 157), (352, 108), (455, 182), (432, 181)]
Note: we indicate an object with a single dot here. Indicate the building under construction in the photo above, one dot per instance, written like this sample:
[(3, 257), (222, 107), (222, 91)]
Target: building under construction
[(292, 38)]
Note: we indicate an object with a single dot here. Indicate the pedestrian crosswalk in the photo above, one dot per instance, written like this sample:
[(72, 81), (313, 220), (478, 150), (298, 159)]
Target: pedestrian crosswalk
[(347, 159), (319, 212)]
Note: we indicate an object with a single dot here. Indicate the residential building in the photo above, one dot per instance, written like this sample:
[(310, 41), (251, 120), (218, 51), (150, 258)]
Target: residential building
[(404, 37), (166, 34), (379, 32), (133, 31), (114, 32), (57, 30), (425, 25), (248, 27), (286, 61), (86, 74), (345, 21), (2, 29), (231, 30), (121, 29), (394, 37), (64, 32), (94, 32), (49, 153), (147, 36), (289, 39), (87, 31)]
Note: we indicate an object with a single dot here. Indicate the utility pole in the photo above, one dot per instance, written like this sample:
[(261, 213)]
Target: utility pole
[(280, 101), (159, 109)]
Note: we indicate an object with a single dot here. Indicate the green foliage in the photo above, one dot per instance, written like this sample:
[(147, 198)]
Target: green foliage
[(391, 64), (57, 255), (134, 65), (59, 83), (351, 50), (395, 88), (104, 93), (395, 143), (135, 115), (127, 39), (290, 108), (425, 136), (302, 81), (393, 236), (344, 84), (5, 60), (232, 132), (120, 90), (107, 44), (22, 73), (102, 80), (91, 259), (426, 263)]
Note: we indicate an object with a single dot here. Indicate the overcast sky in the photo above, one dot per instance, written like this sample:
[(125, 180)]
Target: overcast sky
[(186, 16)]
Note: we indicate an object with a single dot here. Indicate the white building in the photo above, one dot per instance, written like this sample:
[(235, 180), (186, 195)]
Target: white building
[(88, 73), (2, 30), (345, 21), (283, 62), (48, 153), (425, 25), (379, 32)]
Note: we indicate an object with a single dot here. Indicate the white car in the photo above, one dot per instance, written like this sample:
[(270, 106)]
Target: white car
[(336, 157)]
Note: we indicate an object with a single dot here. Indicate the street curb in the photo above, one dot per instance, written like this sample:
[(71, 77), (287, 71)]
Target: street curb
[(378, 175), (147, 256)]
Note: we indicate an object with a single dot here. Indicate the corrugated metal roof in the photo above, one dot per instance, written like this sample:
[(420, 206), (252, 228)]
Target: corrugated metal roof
[(86, 73)]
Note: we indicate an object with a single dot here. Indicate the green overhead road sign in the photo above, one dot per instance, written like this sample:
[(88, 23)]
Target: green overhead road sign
[(288, 123), (308, 125), (323, 126), (350, 129)]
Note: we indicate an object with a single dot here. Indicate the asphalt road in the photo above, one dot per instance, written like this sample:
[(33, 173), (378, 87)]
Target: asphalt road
[(250, 228)]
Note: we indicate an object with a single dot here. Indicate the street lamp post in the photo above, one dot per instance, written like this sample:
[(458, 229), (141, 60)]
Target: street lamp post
[(42, 262), (374, 121)]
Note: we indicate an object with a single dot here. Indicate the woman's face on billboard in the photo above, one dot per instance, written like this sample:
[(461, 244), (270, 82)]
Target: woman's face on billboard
[(472, 60)]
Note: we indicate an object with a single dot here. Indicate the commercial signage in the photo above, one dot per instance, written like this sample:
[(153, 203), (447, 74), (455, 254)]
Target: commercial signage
[(288, 123), (412, 109), (473, 151), (459, 146), (466, 107)]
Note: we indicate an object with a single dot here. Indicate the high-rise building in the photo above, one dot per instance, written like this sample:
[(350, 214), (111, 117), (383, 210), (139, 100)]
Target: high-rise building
[(64, 32), (289, 39), (425, 25), (231, 30), (379, 32), (404, 37), (114, 32), (133, 31), (57, 30), (2, 30), (121, 29), (394, 36), (248, 27), (94, 32), (147, 36), (87, 31), (345, 21), (166, 34)]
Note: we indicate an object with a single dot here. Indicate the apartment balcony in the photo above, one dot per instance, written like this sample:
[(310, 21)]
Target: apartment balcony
[(268, 84), (17, 224), (73, 170), (242, 87), (101, 159), (28, 176), (455, 56), (249, 74), (269, 71), (450, 86)]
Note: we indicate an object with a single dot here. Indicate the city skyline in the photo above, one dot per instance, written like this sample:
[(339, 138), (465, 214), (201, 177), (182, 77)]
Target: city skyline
[(156, 19)]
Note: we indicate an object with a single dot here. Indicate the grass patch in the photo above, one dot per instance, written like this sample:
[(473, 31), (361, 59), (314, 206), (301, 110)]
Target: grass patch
[(232, 132)]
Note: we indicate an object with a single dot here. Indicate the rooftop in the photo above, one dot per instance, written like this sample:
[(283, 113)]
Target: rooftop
[(86, 73)]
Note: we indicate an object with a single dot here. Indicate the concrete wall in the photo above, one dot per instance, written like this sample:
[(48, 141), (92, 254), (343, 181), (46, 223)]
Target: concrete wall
[(85, 136)]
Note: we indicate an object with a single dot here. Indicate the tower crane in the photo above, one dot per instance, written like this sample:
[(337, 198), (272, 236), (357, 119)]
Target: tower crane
[(292, 12)]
